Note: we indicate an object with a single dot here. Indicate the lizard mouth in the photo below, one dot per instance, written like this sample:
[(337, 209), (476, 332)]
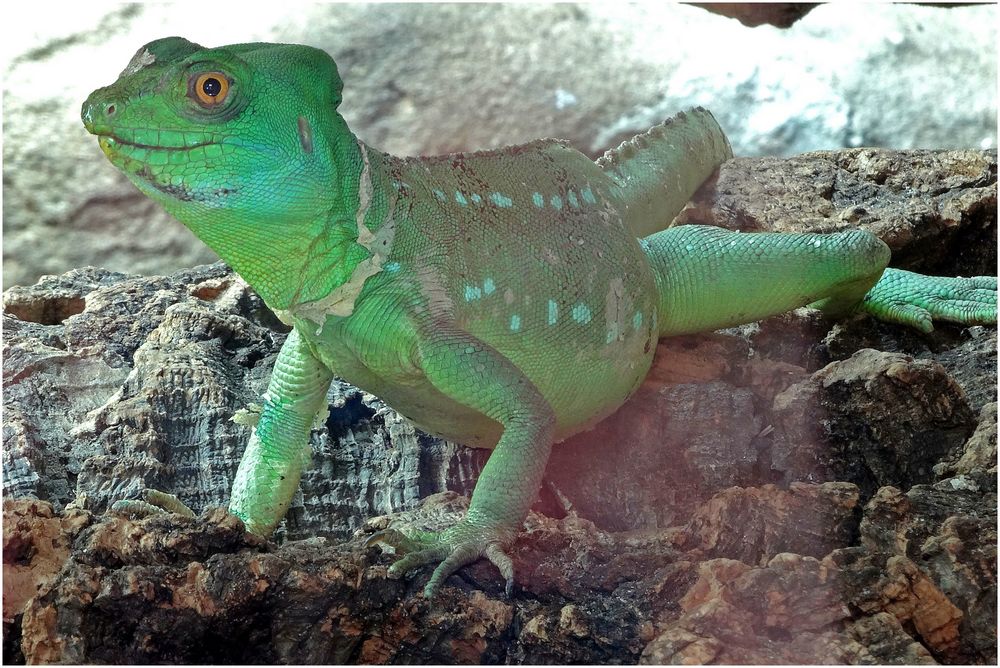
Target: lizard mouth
[(136, 159), (110, 143)]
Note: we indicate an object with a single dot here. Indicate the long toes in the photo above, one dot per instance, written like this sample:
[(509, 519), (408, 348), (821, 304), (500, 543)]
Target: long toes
[(967, 311), (981, 295), (414, 560), (911, 314), (154, 502), (135, 508), (460, 556), (505, 565), (982, 282), (168, 502)]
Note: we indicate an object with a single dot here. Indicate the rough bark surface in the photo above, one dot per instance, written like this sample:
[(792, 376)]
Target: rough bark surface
[(790, 491)]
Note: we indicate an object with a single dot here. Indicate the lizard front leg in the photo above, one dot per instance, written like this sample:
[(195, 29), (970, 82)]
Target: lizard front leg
[(477, 375), (278, 449)]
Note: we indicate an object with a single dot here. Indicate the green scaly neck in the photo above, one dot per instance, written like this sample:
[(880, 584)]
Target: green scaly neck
[(291, 262)]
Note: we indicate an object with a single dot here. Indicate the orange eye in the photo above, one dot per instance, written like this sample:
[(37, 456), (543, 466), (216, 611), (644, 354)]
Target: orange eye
[(211, 88)]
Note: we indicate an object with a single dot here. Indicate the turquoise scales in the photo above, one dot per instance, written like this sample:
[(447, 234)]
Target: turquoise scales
[(503, 299)]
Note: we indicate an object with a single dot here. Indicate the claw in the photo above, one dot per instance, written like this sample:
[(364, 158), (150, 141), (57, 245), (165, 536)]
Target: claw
[(388, 537), (505, 564)]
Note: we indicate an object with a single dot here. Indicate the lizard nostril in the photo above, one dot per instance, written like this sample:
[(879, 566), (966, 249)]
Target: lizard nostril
[(110, 110)]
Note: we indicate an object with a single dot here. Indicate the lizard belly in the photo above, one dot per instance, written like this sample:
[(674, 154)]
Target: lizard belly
[(412, 396), (584, 379)]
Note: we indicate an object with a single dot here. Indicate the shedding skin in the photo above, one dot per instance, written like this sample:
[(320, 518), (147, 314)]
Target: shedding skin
[(504, 299)]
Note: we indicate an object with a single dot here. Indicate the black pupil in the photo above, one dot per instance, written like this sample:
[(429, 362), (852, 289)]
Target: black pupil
[(211, 86)]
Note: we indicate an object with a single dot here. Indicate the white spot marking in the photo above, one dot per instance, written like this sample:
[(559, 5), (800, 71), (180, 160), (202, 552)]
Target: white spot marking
[(142, 58), (501, 200), (581, 313)]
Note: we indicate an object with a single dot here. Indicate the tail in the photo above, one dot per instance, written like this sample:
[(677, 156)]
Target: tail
[(660, 169)]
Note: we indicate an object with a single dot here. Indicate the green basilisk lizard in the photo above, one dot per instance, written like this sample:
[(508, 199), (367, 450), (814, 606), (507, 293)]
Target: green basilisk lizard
[(503, 299)]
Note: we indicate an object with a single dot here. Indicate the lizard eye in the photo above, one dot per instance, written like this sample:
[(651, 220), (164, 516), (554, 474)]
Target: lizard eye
[(210, 88)]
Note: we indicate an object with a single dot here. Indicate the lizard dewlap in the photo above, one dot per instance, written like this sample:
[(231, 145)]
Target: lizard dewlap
[(503, 299)]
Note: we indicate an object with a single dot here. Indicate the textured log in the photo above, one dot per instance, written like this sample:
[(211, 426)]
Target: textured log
[(787, 491)]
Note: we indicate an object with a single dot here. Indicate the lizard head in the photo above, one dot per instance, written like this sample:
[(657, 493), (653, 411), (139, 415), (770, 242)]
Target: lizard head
[(245, 132)]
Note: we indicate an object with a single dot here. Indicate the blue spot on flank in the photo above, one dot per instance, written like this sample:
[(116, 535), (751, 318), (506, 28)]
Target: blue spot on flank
[(553, 312), (637, 319), (571, 196), (472, 293), (439, 194), (488, 286), (588, 195), (501, 200), (556, 201), (476, 199), (392, 267), (581, 314), (515, 323), (460, 198), (538, 199), (612, 334)]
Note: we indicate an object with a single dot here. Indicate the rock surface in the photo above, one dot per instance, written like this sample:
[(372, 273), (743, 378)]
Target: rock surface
[(430, 78), (789, 491)]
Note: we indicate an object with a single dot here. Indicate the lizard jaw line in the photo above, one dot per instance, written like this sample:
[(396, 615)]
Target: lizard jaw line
[(111, 142)]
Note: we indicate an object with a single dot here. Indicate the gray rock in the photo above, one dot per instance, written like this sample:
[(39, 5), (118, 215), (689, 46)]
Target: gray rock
[(116, 383)]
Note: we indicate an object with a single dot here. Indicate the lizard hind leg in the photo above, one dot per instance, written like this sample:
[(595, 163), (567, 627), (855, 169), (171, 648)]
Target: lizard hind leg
[(710, 278), (479, 376)]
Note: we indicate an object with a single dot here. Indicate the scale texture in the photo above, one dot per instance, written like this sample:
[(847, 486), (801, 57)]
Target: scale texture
[(503, 299)]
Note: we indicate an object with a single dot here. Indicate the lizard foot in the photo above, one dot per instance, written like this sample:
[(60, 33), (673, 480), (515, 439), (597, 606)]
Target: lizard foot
[(153, 502), (451, 549), (917, 300)]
